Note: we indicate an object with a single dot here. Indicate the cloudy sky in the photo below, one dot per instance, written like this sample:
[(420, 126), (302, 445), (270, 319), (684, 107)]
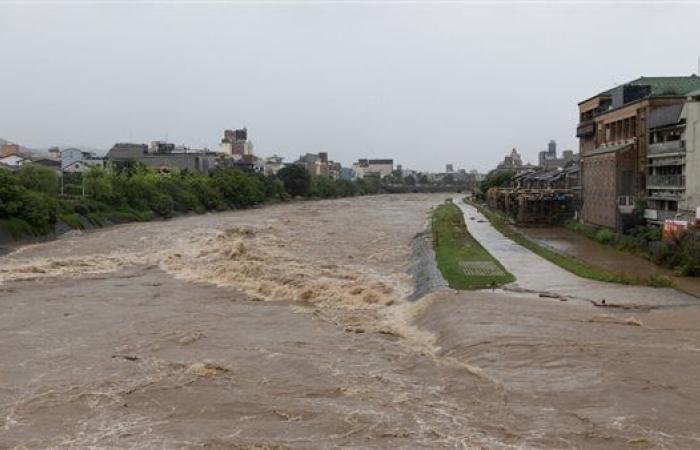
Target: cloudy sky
[(426, 84)]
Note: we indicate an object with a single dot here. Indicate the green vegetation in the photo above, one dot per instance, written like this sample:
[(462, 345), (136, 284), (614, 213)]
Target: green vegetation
[(496, 179), (31, 203), (567, 262), (637, 240), (464, 263), (681, 253), (296, 180)]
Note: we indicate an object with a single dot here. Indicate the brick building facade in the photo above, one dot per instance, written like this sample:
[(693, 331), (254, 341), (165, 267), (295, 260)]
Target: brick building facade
[(613, 140)]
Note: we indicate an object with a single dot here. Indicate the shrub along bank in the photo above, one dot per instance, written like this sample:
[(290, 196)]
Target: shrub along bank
[(31, 203), (681, 253)]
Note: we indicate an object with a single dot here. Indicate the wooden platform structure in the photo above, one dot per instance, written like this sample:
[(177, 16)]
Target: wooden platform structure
[(534, 206)]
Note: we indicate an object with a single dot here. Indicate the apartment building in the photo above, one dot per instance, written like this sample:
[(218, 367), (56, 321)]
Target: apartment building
[(373, 167), (673, 181), (615, 132), (235, 143), (163, 156)]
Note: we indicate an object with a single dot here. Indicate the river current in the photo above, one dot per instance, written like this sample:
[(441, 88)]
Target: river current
[(322, 325)]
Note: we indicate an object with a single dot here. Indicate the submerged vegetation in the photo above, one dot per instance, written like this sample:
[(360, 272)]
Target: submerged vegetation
[(463, 262), (567, 262)]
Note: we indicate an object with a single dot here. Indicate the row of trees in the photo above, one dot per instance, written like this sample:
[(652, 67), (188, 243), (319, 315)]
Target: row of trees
[(499, 178), (31, 202)]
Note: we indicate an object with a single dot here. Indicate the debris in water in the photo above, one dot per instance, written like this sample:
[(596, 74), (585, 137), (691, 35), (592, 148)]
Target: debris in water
[(127, 357), (617, 320)]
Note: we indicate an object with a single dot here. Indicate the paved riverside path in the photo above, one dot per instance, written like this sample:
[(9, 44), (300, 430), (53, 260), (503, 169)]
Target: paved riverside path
[(532, 272)]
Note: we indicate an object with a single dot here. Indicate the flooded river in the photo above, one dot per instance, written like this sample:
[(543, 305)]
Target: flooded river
[(289, 327)]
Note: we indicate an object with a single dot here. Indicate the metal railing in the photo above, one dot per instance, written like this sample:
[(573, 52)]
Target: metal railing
[(665, 181), (666, 147), (667, 161), (659, 214)]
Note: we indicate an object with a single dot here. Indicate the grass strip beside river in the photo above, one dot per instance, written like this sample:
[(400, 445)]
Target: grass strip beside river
[(567, 262), (464, 263)]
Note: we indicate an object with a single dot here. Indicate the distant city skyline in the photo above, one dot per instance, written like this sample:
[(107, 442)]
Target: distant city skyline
[(424, 84)]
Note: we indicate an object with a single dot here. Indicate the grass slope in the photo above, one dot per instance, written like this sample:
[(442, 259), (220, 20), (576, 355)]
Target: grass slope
[(454, 247), (566, 262)]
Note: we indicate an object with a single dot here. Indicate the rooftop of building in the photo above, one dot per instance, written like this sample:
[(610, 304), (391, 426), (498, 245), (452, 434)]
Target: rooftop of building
[(660, 86), (365, 161)]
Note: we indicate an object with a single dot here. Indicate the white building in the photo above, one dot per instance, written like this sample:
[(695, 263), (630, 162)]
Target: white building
[(273, 164), (373, 167), (673, 161), (14, 160), (76, 160)]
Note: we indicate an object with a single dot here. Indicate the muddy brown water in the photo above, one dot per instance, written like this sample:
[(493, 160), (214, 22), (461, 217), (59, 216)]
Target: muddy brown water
[(288, 327), (606, 257)]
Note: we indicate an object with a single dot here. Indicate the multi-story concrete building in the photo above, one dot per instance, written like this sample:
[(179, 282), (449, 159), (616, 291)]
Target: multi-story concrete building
[(547, 155), (513, 161), (273, 164), (10, 149), (334, 170), (314, 163), (318, 164), (235, 143), (162, 156), (673, 161), (76, 160), (373, 167), (614, 139), (547, 159)]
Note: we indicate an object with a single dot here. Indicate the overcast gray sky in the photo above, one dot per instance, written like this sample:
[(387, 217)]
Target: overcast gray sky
[(426, 84)]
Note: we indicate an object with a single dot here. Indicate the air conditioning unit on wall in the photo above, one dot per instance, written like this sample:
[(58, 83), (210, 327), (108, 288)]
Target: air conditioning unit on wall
[(625, 204)]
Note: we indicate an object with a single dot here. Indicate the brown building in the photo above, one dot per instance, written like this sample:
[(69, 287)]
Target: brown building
[(10, 150), (236, 143), (319, 164), (613, 140)]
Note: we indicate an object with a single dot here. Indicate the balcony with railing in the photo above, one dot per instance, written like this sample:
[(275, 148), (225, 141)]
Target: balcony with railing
[(585, 129), (666, 161), (659, 214), (661, 148), (665, 181)]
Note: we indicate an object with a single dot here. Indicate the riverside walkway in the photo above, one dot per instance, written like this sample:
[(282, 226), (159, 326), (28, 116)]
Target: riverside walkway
[(534, 273)]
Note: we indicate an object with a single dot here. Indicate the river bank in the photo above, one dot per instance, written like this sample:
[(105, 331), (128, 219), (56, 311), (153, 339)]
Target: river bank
[(580, 247)]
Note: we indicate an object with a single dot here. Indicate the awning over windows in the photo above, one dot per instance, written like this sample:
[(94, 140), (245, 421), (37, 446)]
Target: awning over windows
[(607, 149)]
